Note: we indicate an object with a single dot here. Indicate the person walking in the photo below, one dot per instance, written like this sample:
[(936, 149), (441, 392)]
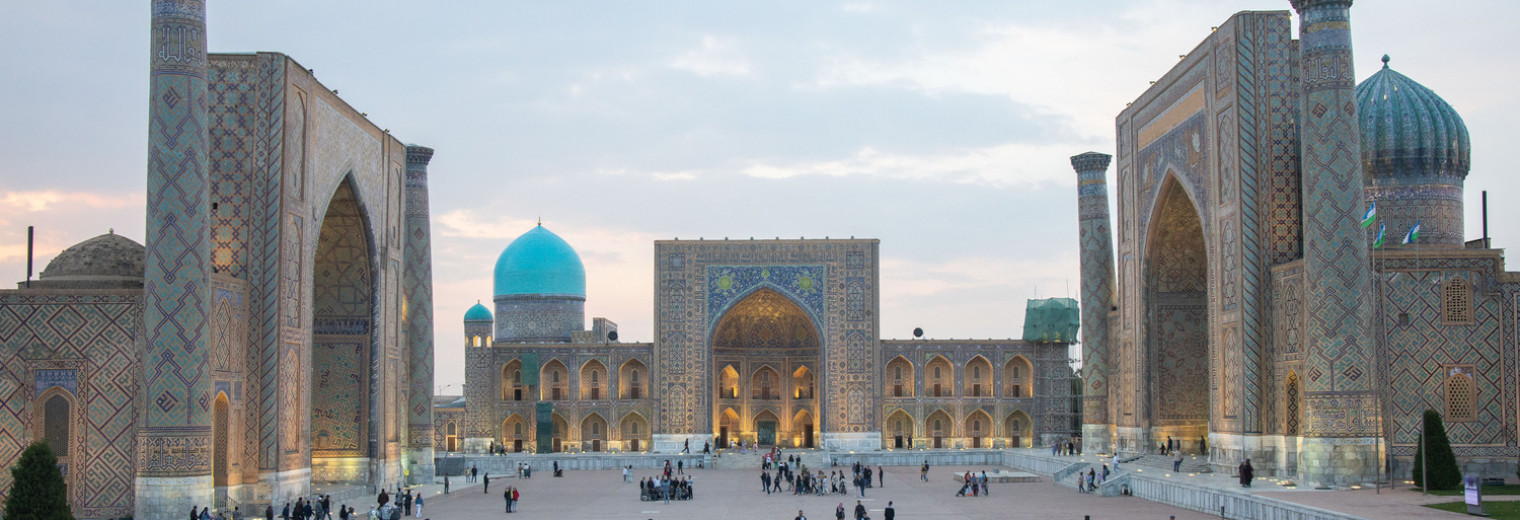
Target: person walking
[(765, 482), (881, 477), (269, 512), (1246, 473), (419, 505), (800, 516), (889, 513), (860, 510), (923, 473), (285, 514), (487, 486), (839, 512)]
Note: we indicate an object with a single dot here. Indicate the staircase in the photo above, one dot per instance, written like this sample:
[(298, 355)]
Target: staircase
[(732, 459)]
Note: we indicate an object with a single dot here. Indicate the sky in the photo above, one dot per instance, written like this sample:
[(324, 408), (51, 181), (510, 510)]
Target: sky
[(941, 128)]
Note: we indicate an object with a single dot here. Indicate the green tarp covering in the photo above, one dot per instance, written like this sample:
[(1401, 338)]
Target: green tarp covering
[(545, 415), (1052, 320), (530, 368)]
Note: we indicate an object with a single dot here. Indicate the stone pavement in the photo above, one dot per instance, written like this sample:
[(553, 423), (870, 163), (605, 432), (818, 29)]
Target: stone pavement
[(735, 494)]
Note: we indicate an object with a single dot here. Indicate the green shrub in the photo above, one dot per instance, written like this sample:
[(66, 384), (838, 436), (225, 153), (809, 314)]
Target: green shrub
[(37, 489), (1444, 473)]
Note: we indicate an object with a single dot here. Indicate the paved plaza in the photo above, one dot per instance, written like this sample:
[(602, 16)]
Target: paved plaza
[(735, 494)]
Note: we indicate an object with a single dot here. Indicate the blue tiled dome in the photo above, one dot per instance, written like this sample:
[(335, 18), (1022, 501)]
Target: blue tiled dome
[(1407, 130), (477, 313), (540, 263)]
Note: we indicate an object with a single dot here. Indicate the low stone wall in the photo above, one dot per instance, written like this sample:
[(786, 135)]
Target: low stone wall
[(1235, 504), (543, 464), (935, 458)]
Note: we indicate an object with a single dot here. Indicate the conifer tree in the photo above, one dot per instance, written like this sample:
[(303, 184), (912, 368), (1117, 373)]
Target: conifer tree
[(1443, 473), (37, 488)]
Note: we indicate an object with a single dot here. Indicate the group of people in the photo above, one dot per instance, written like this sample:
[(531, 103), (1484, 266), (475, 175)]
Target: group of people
[(196, 513), (1088, 481), (665, 487), (406, 503), (1070, 446), (974, 485), (1176, 445), (511, 496), (670, 484), (860, 512)]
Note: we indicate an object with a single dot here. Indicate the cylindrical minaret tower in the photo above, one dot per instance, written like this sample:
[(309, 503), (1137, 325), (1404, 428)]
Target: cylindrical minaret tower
[(174, 441), (1340, 411), (1097, 256), (418, 286), (480, 386)]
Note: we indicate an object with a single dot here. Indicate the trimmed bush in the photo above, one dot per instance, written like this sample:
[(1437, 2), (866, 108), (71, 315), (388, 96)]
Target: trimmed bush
[(37, 489), (1444, 473)]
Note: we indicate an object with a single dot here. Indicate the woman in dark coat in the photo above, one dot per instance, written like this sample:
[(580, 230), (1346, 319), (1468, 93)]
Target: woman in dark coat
[(1246, 473)]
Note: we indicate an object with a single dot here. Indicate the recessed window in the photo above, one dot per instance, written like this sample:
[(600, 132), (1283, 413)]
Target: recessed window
[(1461, 395), (1456, 302)]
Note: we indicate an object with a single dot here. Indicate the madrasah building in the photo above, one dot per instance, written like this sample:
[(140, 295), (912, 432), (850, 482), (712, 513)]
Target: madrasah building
[(769, 342), (1253, 314)]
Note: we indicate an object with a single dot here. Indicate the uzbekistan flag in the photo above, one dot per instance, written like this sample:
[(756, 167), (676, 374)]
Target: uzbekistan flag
[(1371, 214), (1379, 241), (1413, 235)]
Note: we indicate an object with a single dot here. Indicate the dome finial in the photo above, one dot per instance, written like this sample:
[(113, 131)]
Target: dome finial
[(541, 217), (1385, 61)]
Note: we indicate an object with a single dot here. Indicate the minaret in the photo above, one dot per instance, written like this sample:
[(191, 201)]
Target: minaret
[(1097, 256), (1340, 411), (174, 440), (418, 285)]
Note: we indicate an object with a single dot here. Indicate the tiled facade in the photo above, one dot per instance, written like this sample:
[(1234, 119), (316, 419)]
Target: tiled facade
[(768, 341), (260, 346), (1251, 311)]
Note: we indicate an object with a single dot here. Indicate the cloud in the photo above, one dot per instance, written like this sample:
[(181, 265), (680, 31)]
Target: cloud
[(46, 200), (716, 57)]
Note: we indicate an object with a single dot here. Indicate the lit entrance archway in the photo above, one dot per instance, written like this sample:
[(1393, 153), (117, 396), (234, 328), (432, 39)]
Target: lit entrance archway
[(766, 351), (1178, 353), (344, 415)]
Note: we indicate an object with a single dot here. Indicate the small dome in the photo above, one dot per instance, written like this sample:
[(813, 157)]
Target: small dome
[(1407, 130), (477, 313), (105, 259), (540, 263)]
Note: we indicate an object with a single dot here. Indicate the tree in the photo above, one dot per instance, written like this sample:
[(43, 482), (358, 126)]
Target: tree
[(37, 489), (1443, 473)]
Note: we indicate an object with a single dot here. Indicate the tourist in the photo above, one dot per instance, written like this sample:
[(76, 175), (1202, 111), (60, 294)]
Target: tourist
[(625, 473), (889, 513), (285, 514), (419, 505), (881, 477), (1246, 473), (487, 485), (860, 510), (765, 482), (269, 511), (506, 497), (193, 515), (1177, 460), (800, 516), (984, 483), (839, 512), (445, 484), (923, 473), (681, 466)]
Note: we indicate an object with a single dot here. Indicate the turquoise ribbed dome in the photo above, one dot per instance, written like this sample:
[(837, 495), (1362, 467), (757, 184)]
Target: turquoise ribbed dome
[(1407, 130), (540, 263), (477, 313)]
